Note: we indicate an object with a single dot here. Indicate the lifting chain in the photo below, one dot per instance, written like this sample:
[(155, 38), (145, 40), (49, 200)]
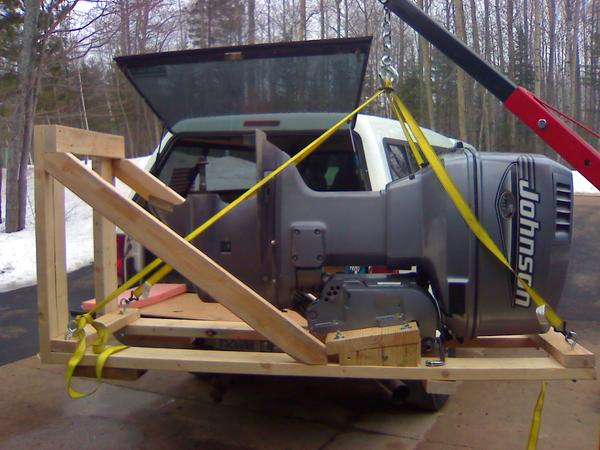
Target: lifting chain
[(387, 71)]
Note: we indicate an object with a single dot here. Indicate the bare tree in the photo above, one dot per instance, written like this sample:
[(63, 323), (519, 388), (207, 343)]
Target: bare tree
[(426, 77), (251, 22), (459, 17), (16, 176)]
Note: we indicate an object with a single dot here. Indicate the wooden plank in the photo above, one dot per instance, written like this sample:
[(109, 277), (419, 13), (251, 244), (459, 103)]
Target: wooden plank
[(375, 337), (189, 306), (113, 321), (186, 259), (213, 361), (50, 245), (554, 343), (370, 357), (105, 246), (507, 341), (402, 355), (61, 139), (348, 357), (144, 183), (207, 329)]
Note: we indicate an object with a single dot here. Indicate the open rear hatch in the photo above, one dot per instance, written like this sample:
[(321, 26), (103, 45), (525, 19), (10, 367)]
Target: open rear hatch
[(308, 76)]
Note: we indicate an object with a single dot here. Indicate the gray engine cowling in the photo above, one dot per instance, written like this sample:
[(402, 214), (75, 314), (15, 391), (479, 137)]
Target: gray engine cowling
[(281, 241)]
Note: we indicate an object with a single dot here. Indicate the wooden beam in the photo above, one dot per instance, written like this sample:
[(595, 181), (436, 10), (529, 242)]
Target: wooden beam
[(60, 139), (375, 337), (53, 314), (213, 361), (186, 259), (144, 183), (208, 329), (105, 245), (112, 321), (554, 343), (505, 341)]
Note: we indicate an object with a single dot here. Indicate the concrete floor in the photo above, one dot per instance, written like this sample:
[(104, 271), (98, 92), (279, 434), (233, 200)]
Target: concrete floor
[(175, 410)]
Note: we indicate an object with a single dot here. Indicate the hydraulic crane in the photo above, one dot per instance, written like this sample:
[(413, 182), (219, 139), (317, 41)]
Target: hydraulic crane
[(531, 110)]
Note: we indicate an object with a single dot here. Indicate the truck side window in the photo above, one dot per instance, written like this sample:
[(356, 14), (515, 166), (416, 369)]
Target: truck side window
[(401, 164), (331, 171)]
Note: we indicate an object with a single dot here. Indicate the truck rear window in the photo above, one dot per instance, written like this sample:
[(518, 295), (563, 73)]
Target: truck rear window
[(195, 166)]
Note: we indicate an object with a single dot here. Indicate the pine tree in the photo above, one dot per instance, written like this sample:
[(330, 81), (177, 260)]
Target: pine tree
[(214, 23)]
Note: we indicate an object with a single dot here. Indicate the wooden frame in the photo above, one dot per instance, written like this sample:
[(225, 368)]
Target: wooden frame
[(305, 355)]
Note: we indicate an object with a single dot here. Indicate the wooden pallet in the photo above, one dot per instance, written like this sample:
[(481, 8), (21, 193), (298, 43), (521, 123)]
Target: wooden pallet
[(244, 314)]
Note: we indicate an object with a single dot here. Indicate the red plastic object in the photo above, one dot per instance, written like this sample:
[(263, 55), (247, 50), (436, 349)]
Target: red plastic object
[(158, 293), (582, 156), (120, 257)]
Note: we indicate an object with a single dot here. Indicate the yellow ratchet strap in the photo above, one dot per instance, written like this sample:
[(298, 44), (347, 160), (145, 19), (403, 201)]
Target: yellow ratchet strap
[(536, 421), (482, 235), (463, 207), (99, 345)]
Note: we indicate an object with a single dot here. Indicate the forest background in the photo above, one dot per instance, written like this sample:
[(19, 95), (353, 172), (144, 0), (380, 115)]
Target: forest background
[(56, 63)]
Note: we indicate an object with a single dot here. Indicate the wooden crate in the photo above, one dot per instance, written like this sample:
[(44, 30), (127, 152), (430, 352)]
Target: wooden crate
[(254, 318)]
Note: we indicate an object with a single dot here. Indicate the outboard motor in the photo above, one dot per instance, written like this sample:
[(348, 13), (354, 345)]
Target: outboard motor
[(284, 241)]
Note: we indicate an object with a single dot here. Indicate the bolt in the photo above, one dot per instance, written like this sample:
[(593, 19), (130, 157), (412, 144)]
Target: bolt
[(542, 123), (273, 242), (296, 232), (319, 257), (317, 231), (294, 257)]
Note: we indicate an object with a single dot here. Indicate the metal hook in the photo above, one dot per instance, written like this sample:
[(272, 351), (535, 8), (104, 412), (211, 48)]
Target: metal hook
[(389, 73)]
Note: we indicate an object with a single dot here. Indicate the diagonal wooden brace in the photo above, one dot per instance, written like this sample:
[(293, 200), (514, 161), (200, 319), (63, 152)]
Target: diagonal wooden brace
[(186, 259)]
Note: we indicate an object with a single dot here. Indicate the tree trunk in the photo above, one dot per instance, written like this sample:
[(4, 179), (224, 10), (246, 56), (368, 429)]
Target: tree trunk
[(302, 21), (574, 63), (346, 18), (16, 176), (459, 18), (550, 85), (486, 140), (251, 22), (426, 78), (269, 31), (476, 89), (322, 17), (338, 17), (511, 67), (537, 58), (500, 37)]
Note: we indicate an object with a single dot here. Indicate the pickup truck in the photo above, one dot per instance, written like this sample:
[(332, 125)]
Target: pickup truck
[(213, 101)]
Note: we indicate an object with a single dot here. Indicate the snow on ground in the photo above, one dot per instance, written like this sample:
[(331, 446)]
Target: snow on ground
[(582, 186), (17, 250)]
